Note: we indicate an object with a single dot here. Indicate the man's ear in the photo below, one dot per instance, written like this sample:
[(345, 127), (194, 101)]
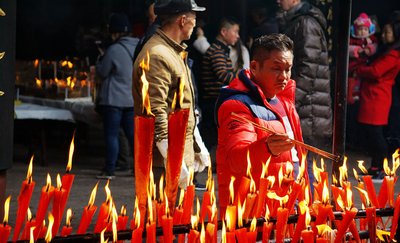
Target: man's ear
[(253, 66), (222, 32), (182, 20)]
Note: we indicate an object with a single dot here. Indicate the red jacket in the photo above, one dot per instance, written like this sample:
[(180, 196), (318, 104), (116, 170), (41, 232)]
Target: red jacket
[(236, 138), (376, 88)]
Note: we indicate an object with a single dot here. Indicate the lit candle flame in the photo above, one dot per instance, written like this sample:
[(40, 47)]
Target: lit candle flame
[(93, 195), (323, 229), (102, 236), (194, 220), (325, 193), (6, 210), (38, 82), (267, 213), (356, 175), (202, 234), (144, 65), (308, 216), (306, 195), (198, 208), (231, 190), (166, 205), (253, 225), (252, 186), (179, 94), (288, 169), (29, 216), (161, 188), (343, 172), (334, 180), (29, 173), (136, 215), (248, 169), (123, 210), (302, 168), (108, 191), (48, 182), (59, 183), (191, 176), (152, 185), (382, 234), (265, 168), (316, 171), (68, 218), (70, 154), (280, 176), (36, 63), (282, 200), (209, 179), (213, 211), (349, 197), (114, 225), (49, 235), (362, 167), (365, 195), (31, 237), (181, 196), (340, 202), (150, 216), (271, 180), (223, 234)]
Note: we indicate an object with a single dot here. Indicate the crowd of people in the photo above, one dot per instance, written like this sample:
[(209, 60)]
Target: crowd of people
[(278, 78)]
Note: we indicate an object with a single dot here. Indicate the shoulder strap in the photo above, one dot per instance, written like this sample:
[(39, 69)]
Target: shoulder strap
[(127, 50)]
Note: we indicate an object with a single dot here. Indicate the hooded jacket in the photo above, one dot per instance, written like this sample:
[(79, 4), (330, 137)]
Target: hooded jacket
[(236, 138), (115, 69), (305, 25)]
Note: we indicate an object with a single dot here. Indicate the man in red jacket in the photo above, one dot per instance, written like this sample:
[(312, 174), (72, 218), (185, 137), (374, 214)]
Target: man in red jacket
[(263, 94)]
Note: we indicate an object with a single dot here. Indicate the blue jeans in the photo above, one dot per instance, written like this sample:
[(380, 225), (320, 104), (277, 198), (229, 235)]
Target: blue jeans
[(113, 119)]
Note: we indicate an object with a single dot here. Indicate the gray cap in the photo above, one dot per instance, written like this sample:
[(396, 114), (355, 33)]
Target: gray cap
[(176, 6)]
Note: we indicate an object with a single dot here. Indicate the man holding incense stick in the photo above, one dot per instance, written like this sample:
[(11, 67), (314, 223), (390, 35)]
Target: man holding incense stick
[(263, 94)]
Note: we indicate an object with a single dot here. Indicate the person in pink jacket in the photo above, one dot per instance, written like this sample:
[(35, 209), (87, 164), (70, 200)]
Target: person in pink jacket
[(263, 94), (376, 95)]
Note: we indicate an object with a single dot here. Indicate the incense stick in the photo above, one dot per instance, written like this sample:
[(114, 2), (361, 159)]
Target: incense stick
[(323, 153)]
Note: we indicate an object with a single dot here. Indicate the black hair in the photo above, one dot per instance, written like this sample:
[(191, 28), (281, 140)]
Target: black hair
[(265, 44), (227, 22)]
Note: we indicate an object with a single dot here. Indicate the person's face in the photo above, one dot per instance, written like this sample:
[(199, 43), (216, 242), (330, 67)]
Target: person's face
[(362, 31), (230, 35), (273, 74), (286, 5), (188, 24), (387, 34)]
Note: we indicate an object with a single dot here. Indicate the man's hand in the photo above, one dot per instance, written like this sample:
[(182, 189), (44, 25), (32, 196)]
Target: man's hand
[(279, 143)]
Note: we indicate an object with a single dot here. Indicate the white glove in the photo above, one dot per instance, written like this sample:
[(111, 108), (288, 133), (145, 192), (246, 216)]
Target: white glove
[(202, 159), (162, 146)]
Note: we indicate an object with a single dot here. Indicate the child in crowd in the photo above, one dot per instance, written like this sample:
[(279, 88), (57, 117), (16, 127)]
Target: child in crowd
[(363, 44)]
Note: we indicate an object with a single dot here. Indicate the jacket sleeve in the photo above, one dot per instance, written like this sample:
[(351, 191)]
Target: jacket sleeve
[(106, 63), (379, 67), (221, 68), (159, 79), (239, 138), (201, 44)]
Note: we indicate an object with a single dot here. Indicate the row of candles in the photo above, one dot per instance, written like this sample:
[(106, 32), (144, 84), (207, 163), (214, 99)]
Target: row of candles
[(274, 198)]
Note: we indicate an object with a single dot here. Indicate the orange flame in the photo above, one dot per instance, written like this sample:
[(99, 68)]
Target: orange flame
[(271, 180), (136, 214), (252, 186), (323, 229), (31, 237), (102, 236), (340, 202), (93, 196), (231, 190), (152, 186), (191, 176), (303, 206), (288, 169), (67, 64), (108, 191), (29, 217), (248, 170), (265, 168), (29, 173), (49, 236), (349, 197), (179, 94), (181, 196), (68, 218), (306, 195), (198, 207), (202, 233), (267, 213), (223, 234), (194, 221), (38, 82), (114, 225), (325, 193), (316, 171), (308, 217), (36, 63), (161, 188), (210, 179), (302, 168), (145, 66), (364, 193), (282, 200), (343, 172), (166, 205), (70, 154), (6, 210), (48, 182), (280, 176), (253, 225), (123, 210), (229, 223), (362, 167), (356, 175), (150, 216), (334, 180), (59, 183), (213, 211)]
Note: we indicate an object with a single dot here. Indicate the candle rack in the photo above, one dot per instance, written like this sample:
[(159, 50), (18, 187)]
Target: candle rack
[(183, 229)]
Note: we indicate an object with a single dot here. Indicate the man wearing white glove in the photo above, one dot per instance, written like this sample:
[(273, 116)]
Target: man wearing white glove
[(167, 66)]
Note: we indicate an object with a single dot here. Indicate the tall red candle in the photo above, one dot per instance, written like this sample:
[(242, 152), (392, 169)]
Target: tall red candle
[(281, 223), (251, 198), (122, 219), (5, 229), (188, 201), (301, 221), (28, 224), (67, 180), (24, 199), (104, 210), (244, 187), (252, 233), (167, 224), (58, 198), (45, 197), (348, 217), (88, 212), (369, 187)]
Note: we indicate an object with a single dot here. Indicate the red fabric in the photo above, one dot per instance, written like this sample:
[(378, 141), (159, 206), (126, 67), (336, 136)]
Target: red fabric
[(376, 88), (236, 138)]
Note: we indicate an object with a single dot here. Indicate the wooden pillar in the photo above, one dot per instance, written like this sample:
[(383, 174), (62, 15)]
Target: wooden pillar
[(342, 13), (7, 80)]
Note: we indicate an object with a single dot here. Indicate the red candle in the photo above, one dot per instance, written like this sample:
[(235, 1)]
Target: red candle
[(267, 228), (48, 235), (262, 192), (24, 199), (104, 211), (45, 197), (67, 229), (348, 217), (5, 229), (281, 223), (230, 214), (137, 235), (390, 181), (296, 190), (371, 219), (188, 202), (210, 233), (250, 200), (301, 221), (204, 204), (369, 186), (244, 187), (307, 235), (143, 154), (177, 125), (395, 219), (178, 215), (241, 235), (59, 197), (88, 212), (193, 236), (252, 234), (167, 224), (122, 219), (136, 224), (67, 181), (28, 224)]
